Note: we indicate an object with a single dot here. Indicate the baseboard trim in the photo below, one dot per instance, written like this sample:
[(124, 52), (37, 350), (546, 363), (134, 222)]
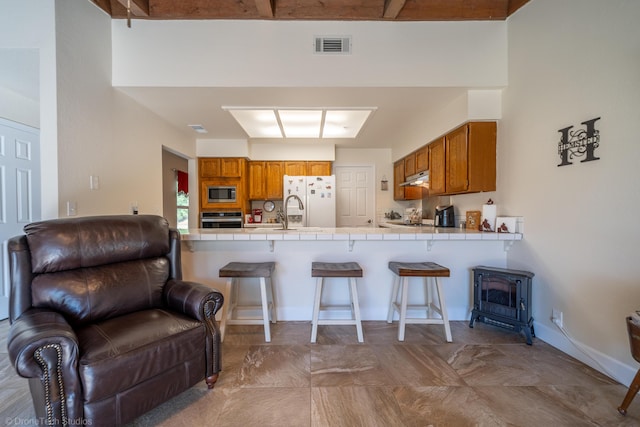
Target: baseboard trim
[(617, 370)]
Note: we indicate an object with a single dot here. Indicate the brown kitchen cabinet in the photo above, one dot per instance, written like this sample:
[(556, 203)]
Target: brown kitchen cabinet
[(241, 195), (471, 158), (464, 160), (257, 180), (422, 159), (265, 180), (437, 167), (400, 192), (307, 168), (318, 168), (410, 165), (221, 167), (274, 179), (298, 168)]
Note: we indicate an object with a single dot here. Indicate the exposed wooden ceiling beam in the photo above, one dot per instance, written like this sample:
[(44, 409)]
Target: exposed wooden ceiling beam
[(265, 8), (515, 5), (138, 7), (392, 8)]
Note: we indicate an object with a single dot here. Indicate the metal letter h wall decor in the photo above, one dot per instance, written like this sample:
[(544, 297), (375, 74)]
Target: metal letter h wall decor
[(579, 143)]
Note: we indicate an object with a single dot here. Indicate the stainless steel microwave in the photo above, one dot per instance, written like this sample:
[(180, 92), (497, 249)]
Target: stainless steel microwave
[(221, 194)]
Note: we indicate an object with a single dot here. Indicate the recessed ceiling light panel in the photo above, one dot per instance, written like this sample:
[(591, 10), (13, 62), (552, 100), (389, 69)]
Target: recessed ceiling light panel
[(301, 123), (344, 123), (272, 122), (258, 123)]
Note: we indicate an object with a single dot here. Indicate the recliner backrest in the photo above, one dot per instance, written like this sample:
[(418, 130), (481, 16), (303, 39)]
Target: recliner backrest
[(95, 268)]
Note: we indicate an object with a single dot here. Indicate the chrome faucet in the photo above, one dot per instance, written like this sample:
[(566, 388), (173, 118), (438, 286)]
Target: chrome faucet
[(285, 222)]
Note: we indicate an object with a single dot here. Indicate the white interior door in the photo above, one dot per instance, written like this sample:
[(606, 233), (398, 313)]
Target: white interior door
[(355, 188), (19, 189)]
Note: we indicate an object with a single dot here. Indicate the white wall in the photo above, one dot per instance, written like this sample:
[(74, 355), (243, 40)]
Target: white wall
[(102, 131), (572, 61), (280, 54), (19, 108), (383, 166), (30, 24)]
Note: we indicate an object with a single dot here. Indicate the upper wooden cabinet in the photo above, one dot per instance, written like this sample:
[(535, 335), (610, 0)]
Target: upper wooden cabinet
[(274, 180), (257, 180), (307, 168), (464, 160), (221, 167), (265, 180), (318, 168), (422, 159), (471, 158), (407, 192), (295, 168), (437, 167), (410, 165)]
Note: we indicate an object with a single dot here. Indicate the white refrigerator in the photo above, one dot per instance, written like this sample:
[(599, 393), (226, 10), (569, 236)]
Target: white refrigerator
[(318, 195)]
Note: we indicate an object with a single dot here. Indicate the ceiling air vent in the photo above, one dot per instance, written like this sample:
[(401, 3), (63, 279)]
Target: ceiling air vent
[(341, 44)]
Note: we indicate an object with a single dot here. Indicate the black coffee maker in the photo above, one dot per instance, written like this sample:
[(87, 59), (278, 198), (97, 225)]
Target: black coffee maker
[(444, 216)]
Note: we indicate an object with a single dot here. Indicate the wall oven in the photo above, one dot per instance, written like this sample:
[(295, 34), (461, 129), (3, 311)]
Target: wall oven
[(226, 219), (221, 194)]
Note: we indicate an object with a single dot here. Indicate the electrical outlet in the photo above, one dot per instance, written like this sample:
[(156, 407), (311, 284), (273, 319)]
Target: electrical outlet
[(94, 182), (72, 208), (556, 317)]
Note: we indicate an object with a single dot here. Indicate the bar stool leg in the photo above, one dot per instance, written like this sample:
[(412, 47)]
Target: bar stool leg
[(274, 315), (403, 308), (265, 309), (225, 308), (316, 310), (393, 299), (443, 309), (356, 307), (428, 295)]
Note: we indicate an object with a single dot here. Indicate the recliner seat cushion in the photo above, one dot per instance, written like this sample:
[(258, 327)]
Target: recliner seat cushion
[(122, 352), (92, 294)]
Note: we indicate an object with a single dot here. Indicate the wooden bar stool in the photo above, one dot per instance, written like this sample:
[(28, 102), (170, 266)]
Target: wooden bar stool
[(431, 274), (237, 270), (349, 270)]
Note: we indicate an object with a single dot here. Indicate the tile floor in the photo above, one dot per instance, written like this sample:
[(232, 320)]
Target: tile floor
[(487, 377)]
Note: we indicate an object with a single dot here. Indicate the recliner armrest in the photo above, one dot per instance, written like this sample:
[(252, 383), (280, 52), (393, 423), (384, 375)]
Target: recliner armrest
[(193, 299), (43, 346), (37, 328)]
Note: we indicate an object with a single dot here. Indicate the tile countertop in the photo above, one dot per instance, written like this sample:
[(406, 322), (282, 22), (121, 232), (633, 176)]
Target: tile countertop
[(390, 232)]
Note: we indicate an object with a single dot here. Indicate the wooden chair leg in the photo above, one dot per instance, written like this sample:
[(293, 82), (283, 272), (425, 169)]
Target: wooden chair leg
[(211, 380), (633, 390)]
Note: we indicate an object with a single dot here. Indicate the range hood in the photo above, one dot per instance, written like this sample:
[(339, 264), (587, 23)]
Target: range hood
[(420, 179)]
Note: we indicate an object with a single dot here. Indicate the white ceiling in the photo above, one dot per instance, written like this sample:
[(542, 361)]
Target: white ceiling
[(402, 113)]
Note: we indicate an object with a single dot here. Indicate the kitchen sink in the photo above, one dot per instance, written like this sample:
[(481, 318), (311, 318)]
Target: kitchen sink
[(280, 230)]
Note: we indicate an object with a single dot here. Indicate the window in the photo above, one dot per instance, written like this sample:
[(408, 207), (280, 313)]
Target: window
[(182, 200)]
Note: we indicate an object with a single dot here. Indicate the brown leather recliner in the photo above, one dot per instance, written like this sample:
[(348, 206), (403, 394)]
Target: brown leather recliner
[(101, 321)]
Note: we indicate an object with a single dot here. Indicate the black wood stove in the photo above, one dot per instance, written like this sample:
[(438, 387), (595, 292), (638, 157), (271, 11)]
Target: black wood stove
[(503, 297)]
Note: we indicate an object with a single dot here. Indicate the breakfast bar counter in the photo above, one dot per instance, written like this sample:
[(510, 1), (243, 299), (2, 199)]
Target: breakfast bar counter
[(206, 250)]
